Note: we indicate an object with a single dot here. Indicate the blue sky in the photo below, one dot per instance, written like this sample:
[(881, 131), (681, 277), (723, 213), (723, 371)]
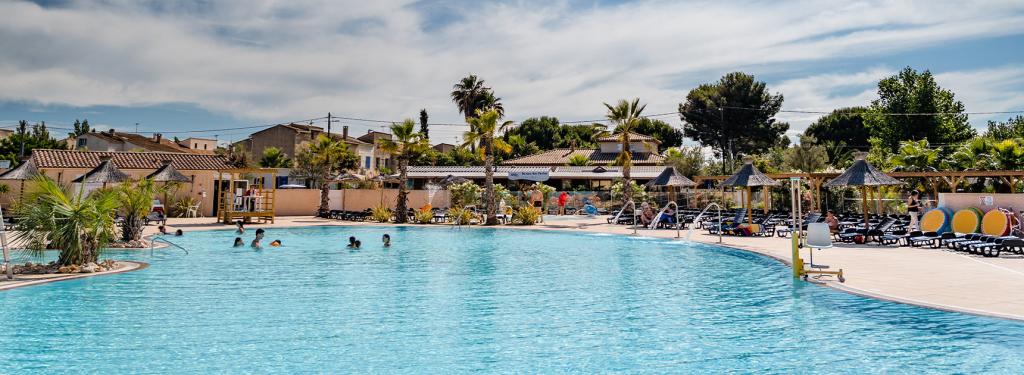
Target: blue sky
[(197, 66)]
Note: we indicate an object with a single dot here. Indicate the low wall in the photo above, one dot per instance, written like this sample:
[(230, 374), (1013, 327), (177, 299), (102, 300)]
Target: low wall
[(296, 202), (361, 199), (957, 201)]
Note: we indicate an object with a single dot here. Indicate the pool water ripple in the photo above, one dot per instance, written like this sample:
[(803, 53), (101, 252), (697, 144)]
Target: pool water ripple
[(443, 300)]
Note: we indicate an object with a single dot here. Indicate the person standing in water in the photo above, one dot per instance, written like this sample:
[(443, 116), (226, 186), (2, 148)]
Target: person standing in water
[(351, 242), (239, 242), (239, 228), (387, 240)]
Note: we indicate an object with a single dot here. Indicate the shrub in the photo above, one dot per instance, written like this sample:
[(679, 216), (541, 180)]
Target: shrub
[(464, 194), (460, 216), (181, 206), (380, 214), (424, 216), (525, 215)]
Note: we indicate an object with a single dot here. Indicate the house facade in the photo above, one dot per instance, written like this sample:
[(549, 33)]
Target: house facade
[(290, 138), (111, 140)]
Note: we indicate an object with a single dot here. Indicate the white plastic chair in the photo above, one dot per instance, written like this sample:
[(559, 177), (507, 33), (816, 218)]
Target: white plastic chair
[(193, 211), (818, 236)]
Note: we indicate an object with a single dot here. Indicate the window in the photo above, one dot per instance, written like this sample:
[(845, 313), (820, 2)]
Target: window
[(204, 146), (367, 163), (81, 142)]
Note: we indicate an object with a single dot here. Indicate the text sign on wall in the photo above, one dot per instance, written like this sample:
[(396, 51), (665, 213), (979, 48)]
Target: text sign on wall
[(986, 200)]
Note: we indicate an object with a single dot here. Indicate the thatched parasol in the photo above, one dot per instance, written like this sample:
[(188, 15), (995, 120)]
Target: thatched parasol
[(24, 171), (346, 177), (865, 175), (383, 178), (747, 177), (104, 173), (671, 178), (167, 173), (452, 180)]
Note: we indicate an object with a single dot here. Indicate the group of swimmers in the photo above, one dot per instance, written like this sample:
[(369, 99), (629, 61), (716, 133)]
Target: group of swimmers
[(353, 243), (240, 229), (163, 230)]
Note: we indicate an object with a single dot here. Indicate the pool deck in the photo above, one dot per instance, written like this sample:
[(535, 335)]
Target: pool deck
[(931, 278)]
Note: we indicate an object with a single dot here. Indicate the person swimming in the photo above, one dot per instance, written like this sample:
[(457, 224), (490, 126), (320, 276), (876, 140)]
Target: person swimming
[(357, 244), (387, 240), (162, 229), (275, 243), (240, 229), (179, 233), (351, 242), (256, 241), (239, 242)]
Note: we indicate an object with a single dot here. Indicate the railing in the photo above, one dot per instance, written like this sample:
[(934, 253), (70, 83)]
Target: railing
[(697, 220), (632, 205), (153, 240), (657, 218)]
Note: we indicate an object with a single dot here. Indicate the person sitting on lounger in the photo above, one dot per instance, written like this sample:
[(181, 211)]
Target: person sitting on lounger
[(832, 221), (646, 214), (239, 242)]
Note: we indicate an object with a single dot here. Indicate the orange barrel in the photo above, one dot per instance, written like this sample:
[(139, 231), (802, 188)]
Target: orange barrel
[(937, 220), (967, 220)]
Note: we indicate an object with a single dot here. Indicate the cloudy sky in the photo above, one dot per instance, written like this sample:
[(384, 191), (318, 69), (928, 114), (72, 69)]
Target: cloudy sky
[(202, 65)]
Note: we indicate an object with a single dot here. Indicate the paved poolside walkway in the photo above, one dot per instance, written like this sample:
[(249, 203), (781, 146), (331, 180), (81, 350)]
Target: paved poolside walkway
[(926, 277)]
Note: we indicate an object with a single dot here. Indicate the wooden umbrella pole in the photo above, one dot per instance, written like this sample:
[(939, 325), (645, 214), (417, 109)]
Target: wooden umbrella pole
[(750, 209), (864, 205)]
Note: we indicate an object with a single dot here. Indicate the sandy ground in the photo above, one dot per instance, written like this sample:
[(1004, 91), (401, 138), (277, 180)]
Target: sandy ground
[(926, 277)]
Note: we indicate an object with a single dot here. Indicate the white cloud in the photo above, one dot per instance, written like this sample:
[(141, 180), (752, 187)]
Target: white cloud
[(278, 60)]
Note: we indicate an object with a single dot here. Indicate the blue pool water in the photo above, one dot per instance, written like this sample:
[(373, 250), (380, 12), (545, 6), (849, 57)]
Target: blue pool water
[(453, 301)]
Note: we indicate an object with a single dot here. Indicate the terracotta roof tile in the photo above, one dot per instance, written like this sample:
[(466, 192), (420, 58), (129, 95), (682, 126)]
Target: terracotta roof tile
[(632, 137), (561, 156), (126, 160)]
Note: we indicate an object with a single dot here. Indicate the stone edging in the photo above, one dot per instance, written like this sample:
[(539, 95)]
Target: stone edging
[(130, 266)]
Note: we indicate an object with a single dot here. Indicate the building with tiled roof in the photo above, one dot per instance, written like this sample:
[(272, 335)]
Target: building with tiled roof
[(644, 151), (290, 138), (111, 140), (66, 165), (598, 178)]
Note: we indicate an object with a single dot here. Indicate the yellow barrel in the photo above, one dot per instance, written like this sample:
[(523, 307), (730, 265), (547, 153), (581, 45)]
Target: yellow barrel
[(936, 220), (996, 223), (967, 220)]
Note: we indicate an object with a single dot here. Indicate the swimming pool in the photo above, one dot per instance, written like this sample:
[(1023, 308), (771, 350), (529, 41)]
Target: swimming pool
[(445, 300)]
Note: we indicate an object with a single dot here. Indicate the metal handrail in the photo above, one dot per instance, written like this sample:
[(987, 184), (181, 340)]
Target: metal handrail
[(654, 223), (701, 214), (632, 205), (153, 240)]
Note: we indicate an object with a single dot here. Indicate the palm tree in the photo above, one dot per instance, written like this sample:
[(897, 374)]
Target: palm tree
[(53, 217), (466, 94), (136, 201), (326, 158), (626, 115), (484, 128), (405, 144), (273, 157)]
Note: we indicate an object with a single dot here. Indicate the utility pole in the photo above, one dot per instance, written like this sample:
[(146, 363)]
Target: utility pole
[(136, 128), (328, 123)]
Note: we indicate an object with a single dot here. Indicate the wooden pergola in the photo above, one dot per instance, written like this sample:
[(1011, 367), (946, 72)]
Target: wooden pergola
[(948, 181), (233, 206)]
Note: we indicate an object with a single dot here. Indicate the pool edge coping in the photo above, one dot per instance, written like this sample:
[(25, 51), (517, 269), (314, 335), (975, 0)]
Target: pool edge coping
[(134, 266)]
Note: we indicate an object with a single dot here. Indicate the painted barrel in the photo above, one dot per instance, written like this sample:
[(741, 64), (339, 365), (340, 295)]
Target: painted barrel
[(967, 220), (938, 220), (998, 222)]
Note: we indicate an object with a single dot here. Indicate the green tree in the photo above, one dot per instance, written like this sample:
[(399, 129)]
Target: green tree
[(807, 156), (136, 201), (840, 132), (22, 142), (915, 156), (735, 115), (320, 161), (940, 118), (578, 161), (541, 131), (689, 161), (235, 155), (1011, 128), (626, 117), (666, 134), (520, 147), (273, 157), (405, 144), (80, 127), (484, 133), (423, 124), (54, 217)]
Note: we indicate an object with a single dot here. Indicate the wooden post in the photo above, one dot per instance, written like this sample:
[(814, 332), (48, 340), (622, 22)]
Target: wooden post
[(750, 209), (864, 206), (766, 195)]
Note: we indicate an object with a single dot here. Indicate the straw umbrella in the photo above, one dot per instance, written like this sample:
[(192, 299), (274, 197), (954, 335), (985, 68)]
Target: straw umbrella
[(167, 174), (104, 173), (863, 174), (452, 180), (24, 171), (672, 179), (747, 177)]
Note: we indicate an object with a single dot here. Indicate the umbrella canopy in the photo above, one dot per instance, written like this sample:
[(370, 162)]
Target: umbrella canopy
[(672, 178), (862, 174), (749, 176), (348, 177), (103, 173), (452, 180), (167, 173), (24, 171), (386, 178)]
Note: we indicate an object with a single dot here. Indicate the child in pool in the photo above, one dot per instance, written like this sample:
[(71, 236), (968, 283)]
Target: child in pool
[(239, 242), (275, 243), (387, 240)]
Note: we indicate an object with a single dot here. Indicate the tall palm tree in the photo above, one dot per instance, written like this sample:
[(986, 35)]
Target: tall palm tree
[(466, 94), (54, 217), (405, 144), (626, 115), (326, 158), (484, 132)]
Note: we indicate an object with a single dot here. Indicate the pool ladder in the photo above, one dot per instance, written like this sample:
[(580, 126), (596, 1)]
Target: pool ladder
[(696, 220), (657, 218), (7, 254), (152, 243)]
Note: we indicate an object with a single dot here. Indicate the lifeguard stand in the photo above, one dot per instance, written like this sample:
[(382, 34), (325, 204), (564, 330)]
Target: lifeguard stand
[(234, 205)]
